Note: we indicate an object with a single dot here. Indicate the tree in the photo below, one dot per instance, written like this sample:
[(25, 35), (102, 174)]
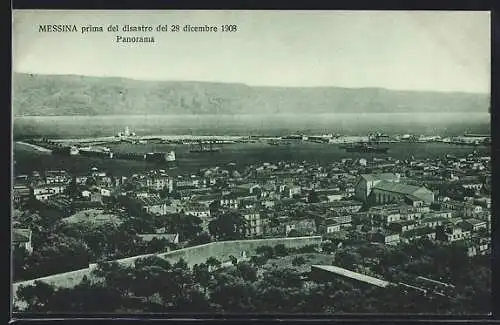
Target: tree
[(313, 197), (305, 249), (175, 283), (213, 263), (328, 247), (31, 221), (72, 189), (200, 239), (115, 276), (20, 261), (190, 227), (192, 300), (59, 254), (164, 192), (293, 233), (280, 250), (214, 207), (156, 245), (187, 226), (246, 271), (147, 276), (228, 226), (347, 259), (280, 290), (87, 298), (265, 251), (232, 293), (36, 296), (201, 275), (258, 260), (92, 182), (233, 260), (298, 261)]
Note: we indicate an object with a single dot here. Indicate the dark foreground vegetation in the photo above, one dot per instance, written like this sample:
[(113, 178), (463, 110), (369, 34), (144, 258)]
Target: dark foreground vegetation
[(258, 285)]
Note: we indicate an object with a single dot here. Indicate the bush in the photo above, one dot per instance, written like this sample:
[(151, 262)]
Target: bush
[(298, 261), (308, 249), (265, 251), (280, 250)]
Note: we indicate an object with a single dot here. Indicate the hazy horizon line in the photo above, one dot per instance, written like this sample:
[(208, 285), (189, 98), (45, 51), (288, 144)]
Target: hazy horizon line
[(250, 85), (259, 114)]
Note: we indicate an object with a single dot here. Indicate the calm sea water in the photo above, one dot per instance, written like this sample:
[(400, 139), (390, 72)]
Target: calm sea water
[(275, 125), (241, 155)]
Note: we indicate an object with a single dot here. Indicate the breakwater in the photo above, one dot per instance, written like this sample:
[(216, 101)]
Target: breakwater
[(33, 146)]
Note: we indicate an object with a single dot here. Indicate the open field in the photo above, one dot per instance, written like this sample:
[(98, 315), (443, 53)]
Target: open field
[(93, 217)]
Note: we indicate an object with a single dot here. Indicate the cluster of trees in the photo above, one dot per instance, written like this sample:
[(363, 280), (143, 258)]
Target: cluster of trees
[(154, 284), (72, 248), (456, 192), (61, 247), (228, 226), (445, 263)]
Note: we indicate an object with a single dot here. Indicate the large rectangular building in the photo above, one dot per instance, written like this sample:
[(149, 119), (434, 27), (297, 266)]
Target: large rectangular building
[(367, 182), (388, 192), (387, 188)]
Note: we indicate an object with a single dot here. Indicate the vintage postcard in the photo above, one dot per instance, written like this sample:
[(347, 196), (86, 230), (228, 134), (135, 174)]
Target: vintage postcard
[(251, 162)]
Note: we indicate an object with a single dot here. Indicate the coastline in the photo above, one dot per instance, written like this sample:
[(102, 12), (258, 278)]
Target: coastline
[(33, 146)]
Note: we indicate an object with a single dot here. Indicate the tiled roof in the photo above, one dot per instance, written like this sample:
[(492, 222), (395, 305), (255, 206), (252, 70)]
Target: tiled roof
[(151, 200), (247, 186), (195, 207), (59, 202), (397, 187), (474, 221), (206, 197), (405, 222), (382, 177), (433, 218), (412, 198)]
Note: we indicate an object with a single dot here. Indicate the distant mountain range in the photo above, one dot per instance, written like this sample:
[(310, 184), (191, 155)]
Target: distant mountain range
[(46, 95)]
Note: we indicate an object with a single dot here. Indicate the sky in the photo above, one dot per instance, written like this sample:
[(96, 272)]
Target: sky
[(437, 51)]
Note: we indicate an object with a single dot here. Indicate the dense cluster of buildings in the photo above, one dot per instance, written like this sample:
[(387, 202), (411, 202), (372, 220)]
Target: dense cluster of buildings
[(375, 199)]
